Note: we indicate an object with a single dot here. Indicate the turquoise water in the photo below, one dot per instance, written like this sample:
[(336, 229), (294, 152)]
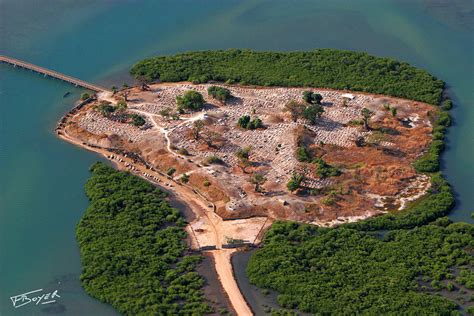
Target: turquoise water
[(41, 183)]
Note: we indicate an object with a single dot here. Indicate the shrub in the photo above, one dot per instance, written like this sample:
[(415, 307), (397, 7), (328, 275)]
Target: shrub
[(313, 112), (444, 119), (190, 101), (183, 151), (170, 171), (219, 93), (137, 120), (214, 160), (245, 122), (324, 170), (312, 98), (295, 182), (302, 154), (447, 105)]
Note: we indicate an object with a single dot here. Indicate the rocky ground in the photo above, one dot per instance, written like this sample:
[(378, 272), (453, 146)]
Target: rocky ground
[(375, 177)]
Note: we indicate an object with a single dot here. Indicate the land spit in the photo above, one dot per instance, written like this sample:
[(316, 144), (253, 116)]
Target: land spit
[(375, 164)]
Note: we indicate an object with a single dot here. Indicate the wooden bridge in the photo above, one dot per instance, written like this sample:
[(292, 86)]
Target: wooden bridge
[(51, 73)]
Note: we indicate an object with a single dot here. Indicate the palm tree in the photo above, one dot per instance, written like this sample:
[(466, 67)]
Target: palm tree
[(366, 115)]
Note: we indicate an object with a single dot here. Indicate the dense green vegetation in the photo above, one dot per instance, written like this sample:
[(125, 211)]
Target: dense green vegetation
[(328, 68), (190, 101), (429, 162), (345, 271), (133, 250)]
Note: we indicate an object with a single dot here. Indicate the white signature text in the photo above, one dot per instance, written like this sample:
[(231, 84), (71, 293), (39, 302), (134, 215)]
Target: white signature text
[(36, 297)]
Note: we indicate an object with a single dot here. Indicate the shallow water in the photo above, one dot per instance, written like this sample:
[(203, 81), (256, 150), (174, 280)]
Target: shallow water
[(41, 196)]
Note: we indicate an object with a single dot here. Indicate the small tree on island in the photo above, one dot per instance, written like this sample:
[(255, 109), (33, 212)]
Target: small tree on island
[(197, 128), (258, 180), (190, 101), (143, 82), (295, 182), (243, 155), (366, 115), (313, 112), (219, 93), (295, 108), (312, 98), (165, 113), (121, 106), (185, 178)]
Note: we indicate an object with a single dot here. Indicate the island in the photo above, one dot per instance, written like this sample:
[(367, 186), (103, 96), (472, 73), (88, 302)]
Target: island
[(323, 139)]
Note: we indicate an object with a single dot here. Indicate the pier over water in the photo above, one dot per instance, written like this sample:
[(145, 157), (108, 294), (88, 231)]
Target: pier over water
[(51, 73)]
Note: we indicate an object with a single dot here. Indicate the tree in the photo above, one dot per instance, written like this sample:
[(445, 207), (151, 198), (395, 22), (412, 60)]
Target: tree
[(114, 89), (137, 120), (312, 98), (211, 137), (143, 82), (247, 123), (243, 121), (197, 128), (105, 108), (184, 178), (170, 171), (121, 106), (313, 112), (219, 93), (295, 182), (190, 101), (85, 96), (243, 155), (295, 108), (366, 115), (125, 94), (165, 113), (393, 110), (325, 170), (258, 179)]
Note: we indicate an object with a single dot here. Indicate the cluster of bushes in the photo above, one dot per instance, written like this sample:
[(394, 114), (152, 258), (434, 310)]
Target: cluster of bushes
[(324, 170), (132, 246), (118, 113), (345, 271), (219, 93), (309, 112), (190, 101), (248, 123), (329, 68)]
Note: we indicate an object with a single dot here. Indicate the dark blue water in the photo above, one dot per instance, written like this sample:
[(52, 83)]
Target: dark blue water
[(41, 183)]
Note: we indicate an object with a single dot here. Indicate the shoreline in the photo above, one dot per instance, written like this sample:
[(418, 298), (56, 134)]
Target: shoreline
[(220, 256)]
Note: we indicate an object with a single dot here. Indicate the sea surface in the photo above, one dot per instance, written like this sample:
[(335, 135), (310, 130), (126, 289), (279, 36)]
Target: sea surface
[(42, 178)]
